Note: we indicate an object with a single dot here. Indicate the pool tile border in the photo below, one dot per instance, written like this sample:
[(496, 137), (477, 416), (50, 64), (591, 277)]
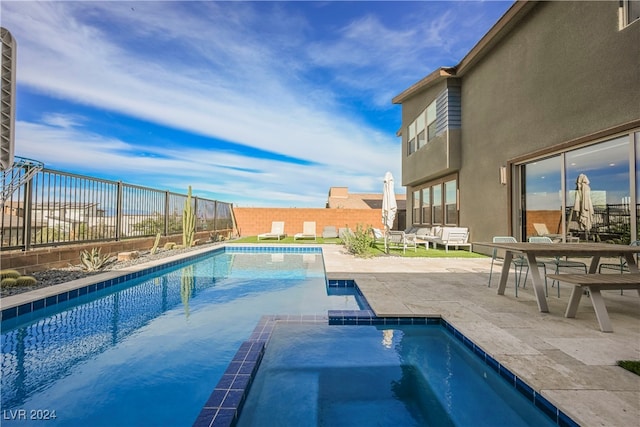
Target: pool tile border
[(48, 301), (219, 411), (227, 399)]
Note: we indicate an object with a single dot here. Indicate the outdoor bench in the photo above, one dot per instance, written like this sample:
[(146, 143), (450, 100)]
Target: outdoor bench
[(594, 283)]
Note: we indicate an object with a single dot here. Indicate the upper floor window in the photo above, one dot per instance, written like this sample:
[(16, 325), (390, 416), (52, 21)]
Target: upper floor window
[(422, 129), (629, 12)]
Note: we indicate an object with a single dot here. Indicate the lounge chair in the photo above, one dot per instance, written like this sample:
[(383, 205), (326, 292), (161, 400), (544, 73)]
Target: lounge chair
[(543, 231), (308, 231), (329, 232), (277, 231)]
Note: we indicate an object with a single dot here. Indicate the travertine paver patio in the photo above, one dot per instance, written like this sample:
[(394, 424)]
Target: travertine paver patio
[(569, 361)]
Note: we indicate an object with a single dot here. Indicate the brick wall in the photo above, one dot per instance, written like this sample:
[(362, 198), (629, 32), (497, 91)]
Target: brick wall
[(253, 221)]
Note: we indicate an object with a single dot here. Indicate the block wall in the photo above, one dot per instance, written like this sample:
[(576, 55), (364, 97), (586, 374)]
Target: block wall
[(253, 221)]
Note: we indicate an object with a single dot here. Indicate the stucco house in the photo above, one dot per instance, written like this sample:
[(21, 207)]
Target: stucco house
[(496, 143)]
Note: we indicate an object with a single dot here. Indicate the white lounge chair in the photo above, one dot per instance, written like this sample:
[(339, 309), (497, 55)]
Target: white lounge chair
[(308, 231), (329, 232), (277, 231)]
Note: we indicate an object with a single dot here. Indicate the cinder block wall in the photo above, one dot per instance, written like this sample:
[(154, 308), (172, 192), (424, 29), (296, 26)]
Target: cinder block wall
[(62, 256), (253, 221)]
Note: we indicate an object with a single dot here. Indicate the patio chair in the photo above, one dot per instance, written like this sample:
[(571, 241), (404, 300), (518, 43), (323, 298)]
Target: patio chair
[(308, 231), (620, 266), (558, 262), (329, 232), (518, 262), (277, 231), (400, 238)]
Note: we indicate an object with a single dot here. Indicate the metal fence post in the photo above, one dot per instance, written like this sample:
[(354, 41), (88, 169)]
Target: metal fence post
[(119, 211), (26, 221)]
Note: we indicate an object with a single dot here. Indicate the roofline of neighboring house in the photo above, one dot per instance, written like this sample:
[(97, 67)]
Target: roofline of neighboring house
[(499, 30)]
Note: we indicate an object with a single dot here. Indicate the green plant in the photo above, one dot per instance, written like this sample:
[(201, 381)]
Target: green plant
[(8, 282), (359, 242), (169, 245), (154, 249), (9, 274), (630, 365), (26, 281), (94, 260), (188, 222)]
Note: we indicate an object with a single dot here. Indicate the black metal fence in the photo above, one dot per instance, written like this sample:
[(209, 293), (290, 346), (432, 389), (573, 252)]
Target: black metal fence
[(53, 208), (610, 223)]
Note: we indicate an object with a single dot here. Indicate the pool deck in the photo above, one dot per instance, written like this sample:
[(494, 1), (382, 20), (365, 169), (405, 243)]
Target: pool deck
[(569, 361)]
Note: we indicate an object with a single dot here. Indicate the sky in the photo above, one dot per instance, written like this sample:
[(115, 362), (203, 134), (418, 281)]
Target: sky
[(260, 104)]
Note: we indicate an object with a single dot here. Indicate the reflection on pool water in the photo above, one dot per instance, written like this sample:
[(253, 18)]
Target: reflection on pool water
[(149, 351), (313, 374)]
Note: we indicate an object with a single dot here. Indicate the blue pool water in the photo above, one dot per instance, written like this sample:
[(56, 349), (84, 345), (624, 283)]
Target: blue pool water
[(148, 352), (320, 375)]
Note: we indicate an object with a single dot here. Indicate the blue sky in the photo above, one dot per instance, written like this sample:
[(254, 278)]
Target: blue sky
[(254, 103)]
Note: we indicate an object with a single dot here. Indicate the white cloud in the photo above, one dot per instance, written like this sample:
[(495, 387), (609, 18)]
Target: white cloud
[(240, 72)]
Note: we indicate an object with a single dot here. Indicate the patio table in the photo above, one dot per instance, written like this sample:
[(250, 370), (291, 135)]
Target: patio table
[(533, 250)]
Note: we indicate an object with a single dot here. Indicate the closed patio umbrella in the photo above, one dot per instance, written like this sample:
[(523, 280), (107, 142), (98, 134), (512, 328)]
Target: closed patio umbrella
[(389, 206), (583, 207)]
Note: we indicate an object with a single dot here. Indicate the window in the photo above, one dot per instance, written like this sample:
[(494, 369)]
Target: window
[(416, 207), (629, 12), (431, 121), (412, 138), (437, 204), (451, 202), (422, 129), (426, 205)]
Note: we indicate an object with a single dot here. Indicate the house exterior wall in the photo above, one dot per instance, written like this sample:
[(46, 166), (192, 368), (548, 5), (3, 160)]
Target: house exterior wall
[(563, 72)]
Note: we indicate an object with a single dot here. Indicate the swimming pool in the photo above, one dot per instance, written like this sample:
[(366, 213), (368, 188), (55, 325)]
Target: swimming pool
[(149, 350), (402, 375)]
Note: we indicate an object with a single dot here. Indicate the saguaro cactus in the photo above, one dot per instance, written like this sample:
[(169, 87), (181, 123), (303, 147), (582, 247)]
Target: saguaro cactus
[(188, 222)]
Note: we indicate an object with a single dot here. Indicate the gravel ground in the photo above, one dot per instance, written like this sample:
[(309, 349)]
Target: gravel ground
[(55, 276)]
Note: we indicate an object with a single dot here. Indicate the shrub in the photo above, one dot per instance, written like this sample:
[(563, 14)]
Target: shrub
[(359, 242), (9, 274), (94, 260), (169, 245)]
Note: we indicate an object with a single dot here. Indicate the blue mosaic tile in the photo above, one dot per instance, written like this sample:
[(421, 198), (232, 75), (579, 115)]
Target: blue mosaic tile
[(216, 398), (225, 417), (73, 294), (248, 368), (545, 406), (493, 363), (226, 381), (565, 421), (241, 382), (9, 313), (206, 417), (38, 304), (525, 389), (233, 367), (51, 300), (479, 352), (63, 297), (24, 309), (507, 375)]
